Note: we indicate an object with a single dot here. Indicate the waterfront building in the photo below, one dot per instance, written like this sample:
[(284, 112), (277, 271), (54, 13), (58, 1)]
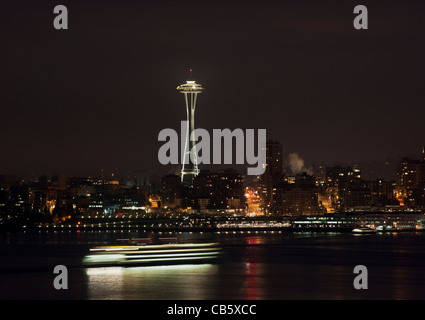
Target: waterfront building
[(376, 220)]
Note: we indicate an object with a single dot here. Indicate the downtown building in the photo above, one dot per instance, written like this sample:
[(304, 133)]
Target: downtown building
[(410, 187), (211, 192), (171, 191), (298, 197), (344, 190), (272, 176), (286, 195), (219, 190)]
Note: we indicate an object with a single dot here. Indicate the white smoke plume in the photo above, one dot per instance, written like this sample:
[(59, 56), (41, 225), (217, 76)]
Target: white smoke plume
[(297, 164)]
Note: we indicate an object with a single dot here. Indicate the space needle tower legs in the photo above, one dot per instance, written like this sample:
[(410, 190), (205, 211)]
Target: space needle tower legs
[(190, 163)]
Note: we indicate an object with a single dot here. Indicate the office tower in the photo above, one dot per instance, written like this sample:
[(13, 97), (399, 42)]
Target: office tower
[(410, 190), (171, 190), (273, 173)]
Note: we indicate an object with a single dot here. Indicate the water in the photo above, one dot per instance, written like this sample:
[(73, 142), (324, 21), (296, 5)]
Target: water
[(265, 266)]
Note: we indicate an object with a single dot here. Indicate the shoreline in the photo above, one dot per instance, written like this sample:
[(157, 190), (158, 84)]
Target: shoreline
[(58, 228)]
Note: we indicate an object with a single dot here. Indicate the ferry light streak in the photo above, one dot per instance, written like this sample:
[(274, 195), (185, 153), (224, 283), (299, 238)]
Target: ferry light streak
[(143, 254)]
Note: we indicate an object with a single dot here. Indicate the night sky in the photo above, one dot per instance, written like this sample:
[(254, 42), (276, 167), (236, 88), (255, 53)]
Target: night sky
[(95, 96)]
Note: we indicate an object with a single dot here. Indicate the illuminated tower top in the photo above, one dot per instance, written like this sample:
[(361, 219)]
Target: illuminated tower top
[(190, 86)]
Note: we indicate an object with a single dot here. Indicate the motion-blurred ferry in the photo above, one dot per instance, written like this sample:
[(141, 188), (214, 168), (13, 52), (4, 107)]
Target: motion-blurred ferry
[(139, 253), (363, 230)]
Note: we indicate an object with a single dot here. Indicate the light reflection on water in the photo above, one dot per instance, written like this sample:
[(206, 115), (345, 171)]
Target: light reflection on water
[(253, 266), (151, 282)]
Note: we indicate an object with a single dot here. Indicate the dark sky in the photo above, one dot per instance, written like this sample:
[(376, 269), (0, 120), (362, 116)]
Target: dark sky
[(96, 95)]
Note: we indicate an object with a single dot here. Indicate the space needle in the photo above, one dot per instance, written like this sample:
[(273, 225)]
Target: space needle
[(190, 89)]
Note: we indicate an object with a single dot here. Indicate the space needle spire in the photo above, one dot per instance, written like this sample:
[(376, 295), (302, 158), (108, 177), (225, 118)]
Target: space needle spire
[(190, 89)]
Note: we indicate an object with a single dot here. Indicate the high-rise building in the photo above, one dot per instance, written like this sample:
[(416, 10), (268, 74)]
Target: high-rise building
[(410, 190), (224, 189), (274, 165), (298, 198), (273, 174), (357, 194), (382, 192), (171, 190), (342, 185), (19, 199)]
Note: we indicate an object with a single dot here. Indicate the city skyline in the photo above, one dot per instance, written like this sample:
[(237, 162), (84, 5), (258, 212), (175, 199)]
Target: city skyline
[(301, 176), (95, 96), (279, 191)]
